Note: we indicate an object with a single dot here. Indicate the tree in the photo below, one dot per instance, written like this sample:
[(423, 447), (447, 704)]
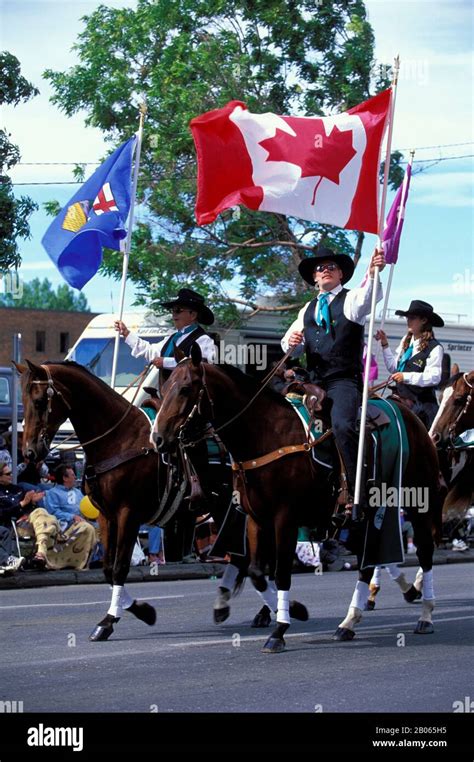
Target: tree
[(190, 56), (40, 295), (14, 213)]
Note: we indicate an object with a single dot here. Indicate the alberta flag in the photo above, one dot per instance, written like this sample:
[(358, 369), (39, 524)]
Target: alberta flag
[(93, 218), (324, 169)]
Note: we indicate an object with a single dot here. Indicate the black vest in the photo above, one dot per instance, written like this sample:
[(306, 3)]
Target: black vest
[(417, 364), (337, 354), (184, 345)]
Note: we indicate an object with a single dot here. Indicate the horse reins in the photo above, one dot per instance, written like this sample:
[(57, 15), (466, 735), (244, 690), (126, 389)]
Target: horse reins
[(52, 390)]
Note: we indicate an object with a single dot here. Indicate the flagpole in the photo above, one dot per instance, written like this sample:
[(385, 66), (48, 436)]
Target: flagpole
[(126, 253), (402, 209), (365, 395)]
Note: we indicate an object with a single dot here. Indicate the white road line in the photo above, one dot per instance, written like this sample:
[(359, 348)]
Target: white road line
[(84, 603), (103, 652)]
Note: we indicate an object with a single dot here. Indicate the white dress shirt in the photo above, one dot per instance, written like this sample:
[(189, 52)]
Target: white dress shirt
[(142, 348), (356, 308), (431, 376)]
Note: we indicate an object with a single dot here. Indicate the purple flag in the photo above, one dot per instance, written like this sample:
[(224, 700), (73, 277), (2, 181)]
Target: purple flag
[(394, 223), (374, 368)]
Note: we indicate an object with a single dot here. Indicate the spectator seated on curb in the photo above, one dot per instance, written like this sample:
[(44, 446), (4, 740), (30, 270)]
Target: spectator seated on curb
[(64, 538), (14, 501)]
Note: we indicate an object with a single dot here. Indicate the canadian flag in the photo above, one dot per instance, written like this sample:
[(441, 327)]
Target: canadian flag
[(323, 169)]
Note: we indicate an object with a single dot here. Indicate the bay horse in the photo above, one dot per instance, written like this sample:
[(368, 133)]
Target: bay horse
[(456, 416), (115, 438), (288, 487), (129, 481)]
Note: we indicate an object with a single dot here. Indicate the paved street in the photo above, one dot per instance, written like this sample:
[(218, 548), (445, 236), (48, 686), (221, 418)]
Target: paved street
[(186, 663)]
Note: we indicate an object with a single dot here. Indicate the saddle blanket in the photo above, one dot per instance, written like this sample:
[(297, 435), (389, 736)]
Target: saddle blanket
[(383, 538)]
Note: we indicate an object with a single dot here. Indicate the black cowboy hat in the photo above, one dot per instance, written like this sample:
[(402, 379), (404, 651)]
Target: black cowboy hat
[(422, 309), (344, 261), (188, 298)]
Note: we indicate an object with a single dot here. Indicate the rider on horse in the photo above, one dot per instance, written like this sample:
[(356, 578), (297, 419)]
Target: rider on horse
[(331, 329), (417, 364), (188, 309)]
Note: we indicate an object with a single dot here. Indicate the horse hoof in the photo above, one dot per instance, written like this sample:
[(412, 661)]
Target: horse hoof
[(220, 615), (144, 612), (369, 606), (423, 628), (273, 646), (412, 595), (263, 618), (101, 632), (298, 611), (343, 633)]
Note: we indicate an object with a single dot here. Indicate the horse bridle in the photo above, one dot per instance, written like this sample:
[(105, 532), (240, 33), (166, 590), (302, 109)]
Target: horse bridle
[(51, 390), (463, 412)]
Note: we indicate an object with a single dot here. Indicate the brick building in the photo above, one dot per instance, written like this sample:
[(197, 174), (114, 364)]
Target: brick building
[(46, 334)]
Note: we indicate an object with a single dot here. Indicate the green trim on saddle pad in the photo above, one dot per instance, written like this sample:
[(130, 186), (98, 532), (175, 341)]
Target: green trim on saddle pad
[(325, 453), (391, 440)]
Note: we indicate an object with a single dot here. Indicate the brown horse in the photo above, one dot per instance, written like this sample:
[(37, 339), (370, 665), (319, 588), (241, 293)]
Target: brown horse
[(125, 480), (124, 474), (289, 490), (455, 416), (456, 412)]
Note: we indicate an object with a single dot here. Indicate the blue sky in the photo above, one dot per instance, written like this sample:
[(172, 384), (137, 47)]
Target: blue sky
[(434, 108)]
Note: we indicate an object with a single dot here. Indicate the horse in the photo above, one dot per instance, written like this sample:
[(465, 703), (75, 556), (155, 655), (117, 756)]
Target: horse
[(456, 416), (125, 481), (124, 475), (253, 422)]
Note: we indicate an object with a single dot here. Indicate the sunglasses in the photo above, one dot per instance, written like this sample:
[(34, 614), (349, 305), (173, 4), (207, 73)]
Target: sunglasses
[(321, 268), (178, 310), (7, 473)]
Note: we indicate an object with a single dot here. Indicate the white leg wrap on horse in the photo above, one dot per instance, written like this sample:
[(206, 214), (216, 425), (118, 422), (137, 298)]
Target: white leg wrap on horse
[(283, 613), (427, 610), (418, 583), (230, 575), (269, 597), (376, 576), (399, 577), (126, 599), (115, 608), (357, 605), (428, 592), (360, 596)]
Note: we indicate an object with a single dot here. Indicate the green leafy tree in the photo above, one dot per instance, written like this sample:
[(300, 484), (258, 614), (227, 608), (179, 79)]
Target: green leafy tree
[(14, 212), (190, 56), (40, 295)]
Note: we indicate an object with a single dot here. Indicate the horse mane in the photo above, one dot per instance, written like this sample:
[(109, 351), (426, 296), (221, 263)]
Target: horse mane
[(249, 384), (451, 381), (83, 369)]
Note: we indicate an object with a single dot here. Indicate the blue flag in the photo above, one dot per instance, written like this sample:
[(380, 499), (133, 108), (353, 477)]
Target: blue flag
[(94, 217)]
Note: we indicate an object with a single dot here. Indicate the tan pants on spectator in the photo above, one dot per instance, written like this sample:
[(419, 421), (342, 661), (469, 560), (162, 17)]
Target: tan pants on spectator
[(70, 549)]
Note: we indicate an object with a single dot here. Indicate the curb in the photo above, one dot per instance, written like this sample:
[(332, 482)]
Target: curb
[(176, 571)]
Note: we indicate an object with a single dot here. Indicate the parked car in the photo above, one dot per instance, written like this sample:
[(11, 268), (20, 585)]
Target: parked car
[(6, 399)]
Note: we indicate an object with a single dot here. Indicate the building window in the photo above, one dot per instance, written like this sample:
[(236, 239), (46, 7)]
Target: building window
[(41, 341), (63, 342)]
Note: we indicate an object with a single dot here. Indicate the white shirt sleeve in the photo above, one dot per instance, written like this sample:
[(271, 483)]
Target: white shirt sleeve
[(358, 301), (431, 375), (297, 325), (391, 359), (142, 348)]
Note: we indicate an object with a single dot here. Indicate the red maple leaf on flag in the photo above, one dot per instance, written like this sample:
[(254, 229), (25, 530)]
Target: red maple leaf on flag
[(318, 154)]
